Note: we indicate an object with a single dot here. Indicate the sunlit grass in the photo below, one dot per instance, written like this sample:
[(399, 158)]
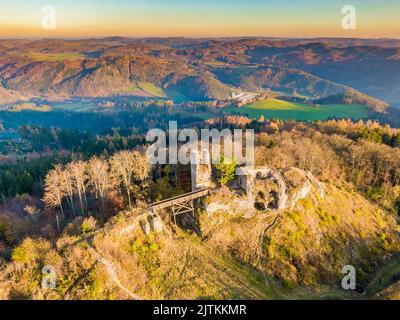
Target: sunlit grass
[(146, 88), (39, 56), (285, 110)]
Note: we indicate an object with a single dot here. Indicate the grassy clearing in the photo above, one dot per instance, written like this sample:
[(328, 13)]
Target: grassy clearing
[(31, 107), (39, 56), (216, 64), (75, 106), (146, 89), (285, 110)]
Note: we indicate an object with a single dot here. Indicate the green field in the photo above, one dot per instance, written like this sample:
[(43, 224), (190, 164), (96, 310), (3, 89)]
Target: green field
[(145, 89), (284, 110)]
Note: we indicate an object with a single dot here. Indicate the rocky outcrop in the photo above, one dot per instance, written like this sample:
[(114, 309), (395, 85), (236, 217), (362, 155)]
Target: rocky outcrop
[(282, 194), (145, 225), (156, 223), (299, 185), (237, 204), (151, 223)]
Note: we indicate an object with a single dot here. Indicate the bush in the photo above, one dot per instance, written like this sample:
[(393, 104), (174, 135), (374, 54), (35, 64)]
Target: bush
[(30, 251), (226, 170), (89, 225)]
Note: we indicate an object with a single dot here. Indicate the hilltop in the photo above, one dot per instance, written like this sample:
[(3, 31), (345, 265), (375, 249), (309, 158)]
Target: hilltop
[(298, 253), (333, 200)]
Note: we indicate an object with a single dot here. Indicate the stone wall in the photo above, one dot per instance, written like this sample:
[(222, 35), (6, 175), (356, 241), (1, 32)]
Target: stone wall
[(292, 185)]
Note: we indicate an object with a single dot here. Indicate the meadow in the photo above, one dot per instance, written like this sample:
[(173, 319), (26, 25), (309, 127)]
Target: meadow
[(285, 110), (145, 89), (39, 56)]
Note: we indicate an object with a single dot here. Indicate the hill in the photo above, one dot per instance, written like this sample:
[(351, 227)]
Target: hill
[(203, 69), (239, 256), (333, 201), (353, 97), (372, 70)]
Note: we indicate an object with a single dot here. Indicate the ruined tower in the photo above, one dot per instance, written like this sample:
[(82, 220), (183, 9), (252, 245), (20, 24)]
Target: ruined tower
[(200, 168)]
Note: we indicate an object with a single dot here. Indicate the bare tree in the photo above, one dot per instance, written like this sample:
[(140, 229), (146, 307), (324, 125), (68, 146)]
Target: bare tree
[(68, 187), (141, 167), (122, 166), (78, 174), (141, 171), (100, 178), (54, 192)]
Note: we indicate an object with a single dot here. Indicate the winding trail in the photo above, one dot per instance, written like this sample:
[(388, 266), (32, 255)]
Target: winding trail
[(112, 271), (262, 260)]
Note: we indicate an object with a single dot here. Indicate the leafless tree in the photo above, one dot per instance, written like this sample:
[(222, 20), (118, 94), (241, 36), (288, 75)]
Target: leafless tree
[(122, 166), (54, 192), (77, 171), (68, 187), (100, 178)]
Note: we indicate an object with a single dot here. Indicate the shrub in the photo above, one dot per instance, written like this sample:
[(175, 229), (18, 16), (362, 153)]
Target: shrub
[(226, 170), (89, 225)]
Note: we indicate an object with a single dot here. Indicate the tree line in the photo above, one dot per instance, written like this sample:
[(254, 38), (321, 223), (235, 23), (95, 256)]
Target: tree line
[(97, 186), (26, 175), (83, 142)]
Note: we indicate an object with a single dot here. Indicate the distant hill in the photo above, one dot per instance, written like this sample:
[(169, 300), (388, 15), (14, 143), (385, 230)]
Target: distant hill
[(296, 82), (7, 95), (372, 70), (199, 69), (354, 97)]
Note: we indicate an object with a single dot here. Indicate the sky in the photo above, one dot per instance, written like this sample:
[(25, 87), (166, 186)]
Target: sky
[(200, 18)]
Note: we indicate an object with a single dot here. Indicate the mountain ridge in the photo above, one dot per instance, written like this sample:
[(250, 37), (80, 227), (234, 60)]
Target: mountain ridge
[(62, 69)]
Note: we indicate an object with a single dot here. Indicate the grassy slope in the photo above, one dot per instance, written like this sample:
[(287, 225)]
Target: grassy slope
[(191, 269), (309, 245), (145, 89), (38, 56), (384, 277), (162, 266), (279, 109)]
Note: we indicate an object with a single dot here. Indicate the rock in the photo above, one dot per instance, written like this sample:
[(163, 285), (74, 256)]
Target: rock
[(189, 223), (235, 206), (319, 186), (145, 225), (128, 229), (300, 183), (282, 197), (216, 206), (156, 223), (303, 193)]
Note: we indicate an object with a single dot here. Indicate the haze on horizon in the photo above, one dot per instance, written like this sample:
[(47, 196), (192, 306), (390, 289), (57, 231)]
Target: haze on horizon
[(208, 18)]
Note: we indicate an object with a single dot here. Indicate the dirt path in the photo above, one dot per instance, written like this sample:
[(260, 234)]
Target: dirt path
[(262, 262), (112, 271)]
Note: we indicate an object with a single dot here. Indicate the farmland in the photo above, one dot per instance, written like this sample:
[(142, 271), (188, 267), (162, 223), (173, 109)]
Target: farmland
[(285, 110)]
